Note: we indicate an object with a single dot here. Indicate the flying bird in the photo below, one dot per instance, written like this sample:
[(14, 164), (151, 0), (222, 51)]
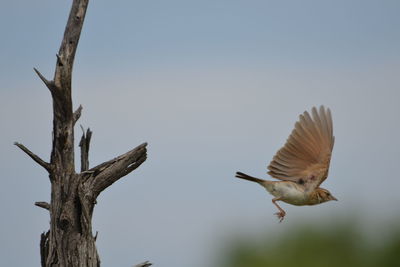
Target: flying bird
[(302, 164)]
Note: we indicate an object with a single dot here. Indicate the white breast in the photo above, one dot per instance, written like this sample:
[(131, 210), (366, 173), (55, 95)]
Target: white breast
[(289, 193)]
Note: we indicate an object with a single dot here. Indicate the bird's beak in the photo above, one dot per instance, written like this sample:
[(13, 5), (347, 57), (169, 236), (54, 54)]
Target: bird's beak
[(334, 198)]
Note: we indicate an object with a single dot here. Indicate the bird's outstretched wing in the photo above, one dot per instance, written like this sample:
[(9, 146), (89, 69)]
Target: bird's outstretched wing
[(306, 155)]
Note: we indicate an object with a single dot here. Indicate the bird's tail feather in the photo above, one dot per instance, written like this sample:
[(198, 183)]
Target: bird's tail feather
[(242, 175)]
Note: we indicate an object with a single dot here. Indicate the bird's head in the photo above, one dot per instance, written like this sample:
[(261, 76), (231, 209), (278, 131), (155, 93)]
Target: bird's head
[(324, 195)]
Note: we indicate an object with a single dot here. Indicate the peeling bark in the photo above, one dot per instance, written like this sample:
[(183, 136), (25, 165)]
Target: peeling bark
[(70, 241)]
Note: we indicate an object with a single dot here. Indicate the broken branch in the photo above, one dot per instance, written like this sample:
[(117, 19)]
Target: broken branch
[(33, 156), (84, 145), (143, 264), (77, 114), (49, 84), (111, 171), (43, 205)]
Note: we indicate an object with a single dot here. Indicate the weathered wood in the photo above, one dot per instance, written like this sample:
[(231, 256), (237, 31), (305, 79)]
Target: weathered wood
[(84, 144), (77, 114), (44, 247), (49, 84), (35, 157), (109, 172), (43, 205), (70, 241), (143, 264)]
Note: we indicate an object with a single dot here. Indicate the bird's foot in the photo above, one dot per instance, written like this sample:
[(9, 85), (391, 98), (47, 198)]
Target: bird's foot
[(281, 215)]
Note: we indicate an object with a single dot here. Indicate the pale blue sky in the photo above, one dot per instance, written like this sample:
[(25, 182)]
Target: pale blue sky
[(214, 87)]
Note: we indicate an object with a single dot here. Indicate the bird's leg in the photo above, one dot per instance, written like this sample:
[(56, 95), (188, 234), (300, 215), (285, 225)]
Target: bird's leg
[(281, 214)]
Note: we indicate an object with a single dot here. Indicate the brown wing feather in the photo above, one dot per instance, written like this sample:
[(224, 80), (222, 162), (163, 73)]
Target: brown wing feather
[(306, 155)]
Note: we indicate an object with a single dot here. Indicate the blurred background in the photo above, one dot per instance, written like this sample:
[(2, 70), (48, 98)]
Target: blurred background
[(329, 244), (214, 87)]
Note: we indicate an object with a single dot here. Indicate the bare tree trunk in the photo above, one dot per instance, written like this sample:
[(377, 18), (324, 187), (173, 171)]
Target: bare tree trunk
[(70, 241)]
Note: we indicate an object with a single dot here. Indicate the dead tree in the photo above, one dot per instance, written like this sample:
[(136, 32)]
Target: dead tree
[(70, 241)]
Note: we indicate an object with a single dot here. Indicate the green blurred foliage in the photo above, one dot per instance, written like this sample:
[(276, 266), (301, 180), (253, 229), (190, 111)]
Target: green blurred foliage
[(313, 246)]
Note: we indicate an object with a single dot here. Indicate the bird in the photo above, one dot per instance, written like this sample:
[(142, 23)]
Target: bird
[(302, 164)]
